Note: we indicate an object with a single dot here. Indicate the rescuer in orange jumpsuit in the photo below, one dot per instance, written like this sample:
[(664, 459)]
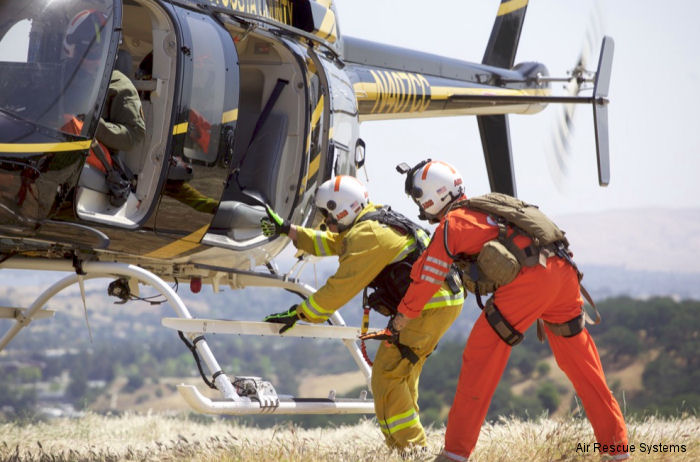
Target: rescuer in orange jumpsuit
[(551, 293)]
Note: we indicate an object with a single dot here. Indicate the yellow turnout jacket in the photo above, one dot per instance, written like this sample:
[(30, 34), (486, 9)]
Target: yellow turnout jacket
[(363, 250)]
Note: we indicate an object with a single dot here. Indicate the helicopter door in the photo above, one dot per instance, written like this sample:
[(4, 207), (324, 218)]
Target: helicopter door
[(203, 133), (54, 74)]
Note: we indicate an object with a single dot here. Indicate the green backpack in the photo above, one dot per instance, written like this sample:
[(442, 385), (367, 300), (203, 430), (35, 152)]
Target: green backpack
[(500, 260)]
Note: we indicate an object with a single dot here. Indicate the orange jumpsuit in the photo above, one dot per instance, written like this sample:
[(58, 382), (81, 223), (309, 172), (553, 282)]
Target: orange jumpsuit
[(551, 293)]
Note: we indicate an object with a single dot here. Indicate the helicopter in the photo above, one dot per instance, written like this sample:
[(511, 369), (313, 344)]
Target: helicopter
[(278, 93)]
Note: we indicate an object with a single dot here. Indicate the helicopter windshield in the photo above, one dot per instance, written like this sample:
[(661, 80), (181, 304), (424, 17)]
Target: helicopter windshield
[(52, 61)]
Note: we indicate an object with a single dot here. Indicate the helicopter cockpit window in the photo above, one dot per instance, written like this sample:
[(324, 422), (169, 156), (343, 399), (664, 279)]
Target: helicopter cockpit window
[(52, 61), (208, 86)]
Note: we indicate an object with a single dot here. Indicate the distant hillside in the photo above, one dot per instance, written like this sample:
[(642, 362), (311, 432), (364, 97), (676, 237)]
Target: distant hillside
[(652, 239)]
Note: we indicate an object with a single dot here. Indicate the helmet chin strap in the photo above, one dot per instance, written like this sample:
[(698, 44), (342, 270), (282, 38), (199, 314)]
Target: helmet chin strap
[(432, 219)]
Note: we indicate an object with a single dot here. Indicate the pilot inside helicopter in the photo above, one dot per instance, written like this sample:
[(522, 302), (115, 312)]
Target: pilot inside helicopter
[(121, 124)]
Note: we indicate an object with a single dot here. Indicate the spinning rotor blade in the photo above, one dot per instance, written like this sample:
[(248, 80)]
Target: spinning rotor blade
[(559, 157)]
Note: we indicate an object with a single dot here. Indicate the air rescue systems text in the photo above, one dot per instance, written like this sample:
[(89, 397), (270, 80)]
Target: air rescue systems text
[(280, 10), (644, 448), (400, 92)]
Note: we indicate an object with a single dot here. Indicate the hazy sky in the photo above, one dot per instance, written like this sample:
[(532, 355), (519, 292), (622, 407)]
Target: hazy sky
[(654, 132)]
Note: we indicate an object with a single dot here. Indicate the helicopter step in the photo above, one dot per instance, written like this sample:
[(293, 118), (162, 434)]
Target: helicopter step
[(269, 403), (222, 326), (7, 312)]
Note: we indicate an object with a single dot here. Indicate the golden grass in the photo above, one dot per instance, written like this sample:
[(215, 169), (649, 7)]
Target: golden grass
[(320, 385), (155, 438)]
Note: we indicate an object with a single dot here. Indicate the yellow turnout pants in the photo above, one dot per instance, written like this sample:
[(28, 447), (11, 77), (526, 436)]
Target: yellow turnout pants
[(395, 379)]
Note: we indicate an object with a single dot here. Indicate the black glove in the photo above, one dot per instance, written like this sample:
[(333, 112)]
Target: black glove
[(288, 318), (274, 224)]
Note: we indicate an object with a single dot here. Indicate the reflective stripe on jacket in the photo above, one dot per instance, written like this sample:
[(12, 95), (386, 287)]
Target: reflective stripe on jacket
[(363, 251), (468, 231)]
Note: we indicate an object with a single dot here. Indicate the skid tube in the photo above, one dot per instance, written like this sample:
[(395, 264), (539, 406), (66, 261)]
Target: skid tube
[(96, 269), (265, 402)]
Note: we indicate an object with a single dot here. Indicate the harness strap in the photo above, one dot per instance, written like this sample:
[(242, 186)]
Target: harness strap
[(407, 352), (589, 299), (101, 155), (500, 325), (566, 329)]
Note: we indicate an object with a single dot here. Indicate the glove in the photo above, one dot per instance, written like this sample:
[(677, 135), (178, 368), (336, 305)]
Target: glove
[(274, 224), (288, 318), (389, 334)]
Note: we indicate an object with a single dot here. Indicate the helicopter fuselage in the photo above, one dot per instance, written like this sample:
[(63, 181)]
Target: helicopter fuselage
[(245, 102)]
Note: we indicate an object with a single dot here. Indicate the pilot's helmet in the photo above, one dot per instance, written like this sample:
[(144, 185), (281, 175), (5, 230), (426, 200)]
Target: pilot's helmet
[(85, 36), (341, 199), (433, 186)]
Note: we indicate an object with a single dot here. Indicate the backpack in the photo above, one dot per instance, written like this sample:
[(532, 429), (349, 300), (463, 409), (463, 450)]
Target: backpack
[(500, 260), (390, 285)]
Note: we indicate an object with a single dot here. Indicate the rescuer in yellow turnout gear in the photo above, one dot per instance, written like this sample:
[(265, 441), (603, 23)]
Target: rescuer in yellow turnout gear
[(366, 247)]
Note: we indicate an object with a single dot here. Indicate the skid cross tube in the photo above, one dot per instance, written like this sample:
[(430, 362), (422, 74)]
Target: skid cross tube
[(106, 269), (252, 279)]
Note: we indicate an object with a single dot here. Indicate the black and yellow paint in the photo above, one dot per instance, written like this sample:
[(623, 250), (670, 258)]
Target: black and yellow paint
[(385, 94), (276, 10)]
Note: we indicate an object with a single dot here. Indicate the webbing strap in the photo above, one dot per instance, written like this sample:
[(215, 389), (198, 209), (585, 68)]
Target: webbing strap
[(566, 329), (101, 155), (500, 325), (589, 299), (407, 353)]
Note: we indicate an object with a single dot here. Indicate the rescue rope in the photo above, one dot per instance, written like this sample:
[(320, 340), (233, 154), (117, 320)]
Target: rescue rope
[(363, 331)]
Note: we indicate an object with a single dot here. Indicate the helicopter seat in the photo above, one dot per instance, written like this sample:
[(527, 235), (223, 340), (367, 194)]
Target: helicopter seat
[(239, 212), (259, 166), (93, 178)]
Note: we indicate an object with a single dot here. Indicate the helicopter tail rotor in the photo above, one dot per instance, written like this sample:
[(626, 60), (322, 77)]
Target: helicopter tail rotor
[(559, 155)]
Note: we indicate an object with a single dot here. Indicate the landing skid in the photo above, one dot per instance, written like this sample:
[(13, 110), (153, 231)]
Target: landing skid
[(330, 405), (240, 395)]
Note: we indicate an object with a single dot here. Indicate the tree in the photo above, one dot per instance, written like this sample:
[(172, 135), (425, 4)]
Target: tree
[(548, 396)]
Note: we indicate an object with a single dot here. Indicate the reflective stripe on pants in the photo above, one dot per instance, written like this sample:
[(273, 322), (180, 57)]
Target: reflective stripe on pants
[(395, 380)]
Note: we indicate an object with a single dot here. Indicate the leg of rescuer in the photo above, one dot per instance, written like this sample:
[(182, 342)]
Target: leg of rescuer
[(485, 356), (395, 379), (578, 357)]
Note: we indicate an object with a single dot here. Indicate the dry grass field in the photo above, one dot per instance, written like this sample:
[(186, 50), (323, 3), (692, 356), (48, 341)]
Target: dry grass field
[(144, 437)]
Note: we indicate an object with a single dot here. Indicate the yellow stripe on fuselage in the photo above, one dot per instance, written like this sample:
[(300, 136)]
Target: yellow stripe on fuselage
[(45, 147), (512, 5), (229, 116), (313, 168), (327, 28), (180, 246), (180, 128), (316, 116), (443, 93)]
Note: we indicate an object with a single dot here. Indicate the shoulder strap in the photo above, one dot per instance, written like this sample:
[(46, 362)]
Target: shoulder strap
[(101, 156), (386, 216)]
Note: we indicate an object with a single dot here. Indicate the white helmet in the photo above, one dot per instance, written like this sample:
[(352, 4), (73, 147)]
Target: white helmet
[(432, 185), (85, 37), (341, 198)]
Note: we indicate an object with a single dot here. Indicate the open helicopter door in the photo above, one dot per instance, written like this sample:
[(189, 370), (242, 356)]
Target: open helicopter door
[(148, 57), (203, 130), (54, 71)]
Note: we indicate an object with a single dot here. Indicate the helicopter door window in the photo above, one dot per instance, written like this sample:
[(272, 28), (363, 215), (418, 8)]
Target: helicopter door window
[(208, 84), (53, 59)]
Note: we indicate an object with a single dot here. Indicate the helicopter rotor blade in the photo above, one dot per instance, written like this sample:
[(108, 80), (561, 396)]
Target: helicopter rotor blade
[(559, 155)]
